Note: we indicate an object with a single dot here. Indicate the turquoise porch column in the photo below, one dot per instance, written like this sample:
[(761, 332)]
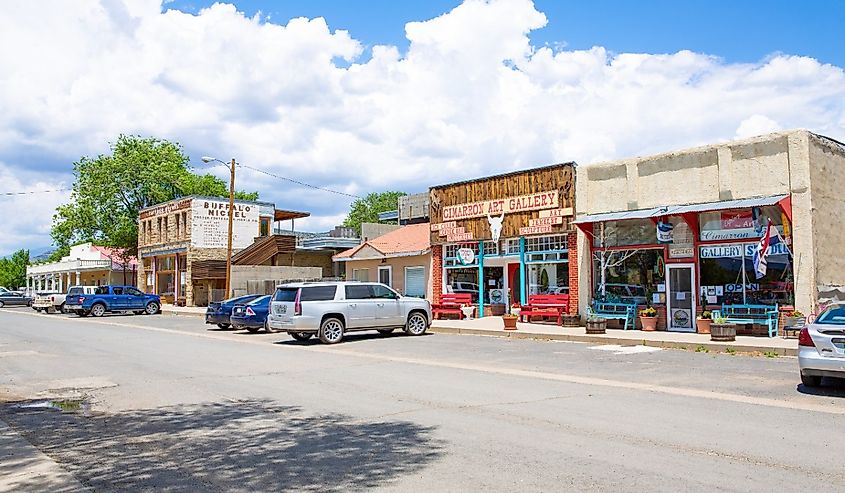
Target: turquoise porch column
[(522, 299), (480, 279)]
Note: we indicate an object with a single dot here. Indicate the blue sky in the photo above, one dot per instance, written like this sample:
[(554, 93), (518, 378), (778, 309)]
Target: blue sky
[(412, 94), (736, 30)]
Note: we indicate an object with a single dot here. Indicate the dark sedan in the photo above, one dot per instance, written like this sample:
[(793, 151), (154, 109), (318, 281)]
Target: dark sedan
[(219, 312), (12, 298), (252, 316)]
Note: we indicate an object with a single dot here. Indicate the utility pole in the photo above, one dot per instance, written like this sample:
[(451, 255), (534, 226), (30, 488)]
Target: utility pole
[(229, 236)]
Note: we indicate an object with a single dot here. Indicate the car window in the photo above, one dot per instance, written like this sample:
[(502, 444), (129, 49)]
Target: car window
[(384, 292), (317, 293), (117, 290), (359, 292), (285, 294), (73, 291), (834, 315), (134, 292), (261, 300), (101, 290)]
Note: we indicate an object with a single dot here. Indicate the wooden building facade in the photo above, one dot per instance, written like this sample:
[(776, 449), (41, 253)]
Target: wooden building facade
[(505, 237)]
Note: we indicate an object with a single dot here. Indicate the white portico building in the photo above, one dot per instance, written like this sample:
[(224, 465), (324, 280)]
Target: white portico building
[(85, 265)]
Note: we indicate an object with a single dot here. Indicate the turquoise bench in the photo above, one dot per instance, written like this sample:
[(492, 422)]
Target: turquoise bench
[(619, 311), (752, 314)]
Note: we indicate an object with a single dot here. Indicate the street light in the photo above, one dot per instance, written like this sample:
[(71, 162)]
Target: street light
[(231, 166)]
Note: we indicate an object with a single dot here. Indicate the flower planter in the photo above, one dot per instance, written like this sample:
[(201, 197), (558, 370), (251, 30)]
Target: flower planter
[(596, 326), (722, 332), (510, 322), (649, 323), (702, 325), (570, 320), (794, 321), (468, 311)]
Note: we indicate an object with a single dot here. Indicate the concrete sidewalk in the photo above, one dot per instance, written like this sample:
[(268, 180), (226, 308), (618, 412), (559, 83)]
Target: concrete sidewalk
[(191, 311), (24, 468), (493, 326)]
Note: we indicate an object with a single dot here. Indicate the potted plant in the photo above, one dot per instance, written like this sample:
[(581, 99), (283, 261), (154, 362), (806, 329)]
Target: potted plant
[(648, 318), (510, 321), (703, 321), (516, 308), (794, 318), (596, 324), (722, 330)]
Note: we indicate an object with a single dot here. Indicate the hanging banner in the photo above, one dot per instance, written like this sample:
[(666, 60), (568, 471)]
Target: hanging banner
[(664, 232)]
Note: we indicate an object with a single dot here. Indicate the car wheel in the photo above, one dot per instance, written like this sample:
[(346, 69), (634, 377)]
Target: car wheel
[(98, 310), (331, 331), (2, 304), (62, 308), (267, 327), (224, 326), (385, 331), (417, 324), (301, 336), (811, 380), (252, 330), (152, 308)]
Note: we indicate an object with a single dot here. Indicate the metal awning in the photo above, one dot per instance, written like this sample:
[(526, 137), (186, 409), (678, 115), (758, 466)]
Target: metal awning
[(619, 216), (681, 209)]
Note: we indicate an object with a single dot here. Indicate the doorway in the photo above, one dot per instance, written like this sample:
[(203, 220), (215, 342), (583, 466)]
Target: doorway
[(680, 302), (514, 283)]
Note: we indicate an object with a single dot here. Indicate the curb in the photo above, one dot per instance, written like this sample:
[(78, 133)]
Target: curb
[(709, 345), (180, 313)]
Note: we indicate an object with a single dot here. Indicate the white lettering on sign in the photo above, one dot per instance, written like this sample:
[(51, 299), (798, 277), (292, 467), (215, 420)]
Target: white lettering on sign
[(442, 226), (452, 231), (532, 202), (736, 250), (733, 234), (210, 224), (459, 237), (546, 221), (567, 211), (535, 230)]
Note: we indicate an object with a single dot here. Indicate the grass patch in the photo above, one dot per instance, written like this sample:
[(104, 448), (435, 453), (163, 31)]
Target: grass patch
[(771, 354), (730, 351), (701, 349)]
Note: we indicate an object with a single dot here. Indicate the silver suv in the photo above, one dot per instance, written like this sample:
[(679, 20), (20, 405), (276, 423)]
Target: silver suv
[(329, 309)]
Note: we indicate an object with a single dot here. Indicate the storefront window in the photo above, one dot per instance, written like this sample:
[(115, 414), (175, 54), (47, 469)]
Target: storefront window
[(548, 278), (740, 224), (728, 276), (463, 280), (623, 233), (630, 276)]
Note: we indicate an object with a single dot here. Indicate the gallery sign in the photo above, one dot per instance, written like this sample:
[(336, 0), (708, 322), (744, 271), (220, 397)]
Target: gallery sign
[(210, 223), (737, 250), (523, 203)]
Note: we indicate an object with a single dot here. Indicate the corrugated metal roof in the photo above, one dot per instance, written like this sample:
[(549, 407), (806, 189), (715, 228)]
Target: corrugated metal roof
[(680, 209)]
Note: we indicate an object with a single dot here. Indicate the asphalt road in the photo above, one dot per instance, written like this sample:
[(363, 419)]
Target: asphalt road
[(170, 404)]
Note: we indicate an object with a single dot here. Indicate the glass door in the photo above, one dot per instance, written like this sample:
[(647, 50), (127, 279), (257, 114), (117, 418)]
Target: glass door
[(680, 303)]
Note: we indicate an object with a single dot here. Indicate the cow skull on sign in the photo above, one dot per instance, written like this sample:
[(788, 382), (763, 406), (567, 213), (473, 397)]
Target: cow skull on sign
[(495, 225)]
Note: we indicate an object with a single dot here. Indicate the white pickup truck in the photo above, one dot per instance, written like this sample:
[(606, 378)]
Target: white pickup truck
[(55, 302)]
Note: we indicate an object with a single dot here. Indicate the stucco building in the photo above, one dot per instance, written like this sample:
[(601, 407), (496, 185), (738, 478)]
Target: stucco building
[(712, 204)]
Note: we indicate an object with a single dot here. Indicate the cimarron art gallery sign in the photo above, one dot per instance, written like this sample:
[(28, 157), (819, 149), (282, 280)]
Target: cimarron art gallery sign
[(523, 203), (210, 224)]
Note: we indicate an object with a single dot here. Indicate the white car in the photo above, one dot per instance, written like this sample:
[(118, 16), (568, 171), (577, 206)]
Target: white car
[(55, 302), (821, 346), (330, 309)]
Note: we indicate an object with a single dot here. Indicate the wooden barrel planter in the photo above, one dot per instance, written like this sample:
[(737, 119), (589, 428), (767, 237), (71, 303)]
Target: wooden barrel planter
[(596, 326), (722, 332), (570, 320)]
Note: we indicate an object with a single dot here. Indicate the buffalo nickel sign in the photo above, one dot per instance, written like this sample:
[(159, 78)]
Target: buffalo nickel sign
[(210, 224)]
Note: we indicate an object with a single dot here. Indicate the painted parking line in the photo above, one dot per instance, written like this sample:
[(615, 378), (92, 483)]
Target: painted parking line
[(513, 372)]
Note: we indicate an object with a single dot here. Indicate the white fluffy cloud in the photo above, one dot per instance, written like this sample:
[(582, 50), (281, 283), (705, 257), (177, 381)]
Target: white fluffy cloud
[(471, 96)]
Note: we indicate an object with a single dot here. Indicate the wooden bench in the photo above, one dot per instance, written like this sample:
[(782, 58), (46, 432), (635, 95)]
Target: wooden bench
[(545, 305), (451, 303), (619, 311), (752, 314)]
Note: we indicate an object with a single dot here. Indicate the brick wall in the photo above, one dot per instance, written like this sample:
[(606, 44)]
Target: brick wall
[(572, 242), (436, 273)]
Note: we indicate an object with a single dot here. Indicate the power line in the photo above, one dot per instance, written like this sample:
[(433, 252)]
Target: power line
[(30, 192), (308, 185)]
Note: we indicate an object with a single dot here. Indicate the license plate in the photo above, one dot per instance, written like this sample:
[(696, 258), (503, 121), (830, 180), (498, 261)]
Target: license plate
[(283, 309), (73, 307)]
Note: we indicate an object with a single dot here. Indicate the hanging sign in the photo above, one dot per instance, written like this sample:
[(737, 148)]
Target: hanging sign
[(523, 203), (546, 221), (442, 226), (535, 230), (452, 231), (458, 237), (664, 232), (566, 211), (466, 256)]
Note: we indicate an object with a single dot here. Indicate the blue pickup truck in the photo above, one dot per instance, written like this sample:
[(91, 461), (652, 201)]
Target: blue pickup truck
[(113, 299)]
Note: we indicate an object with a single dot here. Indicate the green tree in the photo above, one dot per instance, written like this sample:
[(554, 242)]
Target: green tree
[(367, 209), (110, 190), (13, 269)]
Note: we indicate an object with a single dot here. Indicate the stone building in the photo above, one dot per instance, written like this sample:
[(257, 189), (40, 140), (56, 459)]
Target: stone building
[(182, 244), (712, 204)]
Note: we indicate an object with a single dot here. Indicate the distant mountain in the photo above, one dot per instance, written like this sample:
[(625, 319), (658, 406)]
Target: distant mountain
[(40, 254)]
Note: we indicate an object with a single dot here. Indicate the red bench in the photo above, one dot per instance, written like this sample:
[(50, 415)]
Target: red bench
[(451, 303), (545, 305)]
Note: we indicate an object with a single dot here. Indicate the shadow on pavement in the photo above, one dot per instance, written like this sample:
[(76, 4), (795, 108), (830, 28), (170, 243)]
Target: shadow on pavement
[(250, 445), (830, 387), (349, 338)]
